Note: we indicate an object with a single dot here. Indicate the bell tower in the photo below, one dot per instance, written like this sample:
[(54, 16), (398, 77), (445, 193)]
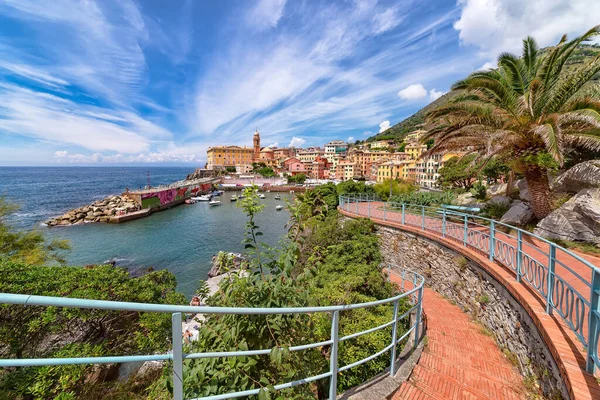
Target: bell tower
[(256, 155)]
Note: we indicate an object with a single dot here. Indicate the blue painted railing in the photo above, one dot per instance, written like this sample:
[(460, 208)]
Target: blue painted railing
[(536, 262), (413, 294)]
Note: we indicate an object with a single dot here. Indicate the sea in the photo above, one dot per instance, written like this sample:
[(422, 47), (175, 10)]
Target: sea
[(182, 239)]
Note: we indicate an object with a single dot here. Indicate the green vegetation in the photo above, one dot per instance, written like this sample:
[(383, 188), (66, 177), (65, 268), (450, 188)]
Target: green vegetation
[(230, 169), (458, 172), (588, 248), (38, 332), (325, 262), (263, 170), (300, 178), (27, 247), (425, 198), (397, 187), (495, 210), (530, 111)]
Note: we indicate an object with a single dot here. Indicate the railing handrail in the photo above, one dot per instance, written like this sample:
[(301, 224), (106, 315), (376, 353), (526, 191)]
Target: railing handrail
[(177, 356), (550, 284)]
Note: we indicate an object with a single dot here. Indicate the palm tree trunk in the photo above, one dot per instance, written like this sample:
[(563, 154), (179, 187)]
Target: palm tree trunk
[(539, 191)]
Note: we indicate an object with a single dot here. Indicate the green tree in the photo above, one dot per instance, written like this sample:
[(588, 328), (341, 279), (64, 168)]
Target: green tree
[(382, 189), (27, 247), (459, 172), (298, 178), (530, 110)]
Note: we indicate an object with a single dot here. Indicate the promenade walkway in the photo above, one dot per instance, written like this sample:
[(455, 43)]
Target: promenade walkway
[(561, 340), (459, 361)]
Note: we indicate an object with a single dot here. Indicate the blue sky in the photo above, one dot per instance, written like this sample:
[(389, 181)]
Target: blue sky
[(153, 82)]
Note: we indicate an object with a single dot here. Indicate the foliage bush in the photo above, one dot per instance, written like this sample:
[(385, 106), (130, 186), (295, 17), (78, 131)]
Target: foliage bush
[(425, 198), (399, 187), (299, 178)]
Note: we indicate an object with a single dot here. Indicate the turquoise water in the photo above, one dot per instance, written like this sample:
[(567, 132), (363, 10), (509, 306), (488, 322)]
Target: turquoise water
[(182, 239)]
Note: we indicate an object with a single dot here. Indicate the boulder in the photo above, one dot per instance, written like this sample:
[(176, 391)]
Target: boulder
[(500, 199), (497, 189), (523, 189), (519, 213), (584, 175), (465, 198), (576, 220)]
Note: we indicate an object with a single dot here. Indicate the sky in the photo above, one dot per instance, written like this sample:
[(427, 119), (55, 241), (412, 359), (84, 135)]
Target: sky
[(150, 82)]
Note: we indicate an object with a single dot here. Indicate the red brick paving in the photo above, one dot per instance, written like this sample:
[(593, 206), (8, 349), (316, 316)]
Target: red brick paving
[(566, 349), (459, 361)]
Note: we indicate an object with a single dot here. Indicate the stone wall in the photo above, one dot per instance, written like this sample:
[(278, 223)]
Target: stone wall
[(465, 283)]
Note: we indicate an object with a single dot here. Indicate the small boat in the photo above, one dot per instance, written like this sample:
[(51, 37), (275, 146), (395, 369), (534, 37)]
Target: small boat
[(234, 198), (190, 201), (213, 203), (261, 196), (277, 197), (205, 197), (278, 207), (217, 193)]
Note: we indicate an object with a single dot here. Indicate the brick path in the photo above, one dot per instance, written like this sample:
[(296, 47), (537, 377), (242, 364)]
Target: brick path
[(459, 361), (560, 339)]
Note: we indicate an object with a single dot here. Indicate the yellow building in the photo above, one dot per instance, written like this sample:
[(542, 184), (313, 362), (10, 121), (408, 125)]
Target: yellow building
[(228, 156), (414, 150), (392, 169), (414, 136), (428, 168), (346, 170)]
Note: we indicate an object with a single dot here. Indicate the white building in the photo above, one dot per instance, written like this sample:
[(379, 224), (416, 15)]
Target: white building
[(336, 147)]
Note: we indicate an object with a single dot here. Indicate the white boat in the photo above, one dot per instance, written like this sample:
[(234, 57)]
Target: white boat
[(213, 203), (261, 196), (278, 207), (277, 197), (234, 198), (205, 197)]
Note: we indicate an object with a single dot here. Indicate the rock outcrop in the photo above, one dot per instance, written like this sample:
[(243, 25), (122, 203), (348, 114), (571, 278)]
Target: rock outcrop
[(584, 175), (576, 220), (99, 211), (519, 213), (226, 262), (523, 189)]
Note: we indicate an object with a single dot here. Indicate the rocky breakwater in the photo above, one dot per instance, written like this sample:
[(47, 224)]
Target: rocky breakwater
[(99, 211)]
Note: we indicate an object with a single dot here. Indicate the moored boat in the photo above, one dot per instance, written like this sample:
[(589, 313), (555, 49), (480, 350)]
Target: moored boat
[(213, 203), (234, 198), (278, 207), (277, 197), (204, 197), (261, 196)]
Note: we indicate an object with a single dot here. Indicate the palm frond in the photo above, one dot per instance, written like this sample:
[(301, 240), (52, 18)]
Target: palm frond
[(515, 70), (551, 134), (530, 56), (589, 140), (569, 87)]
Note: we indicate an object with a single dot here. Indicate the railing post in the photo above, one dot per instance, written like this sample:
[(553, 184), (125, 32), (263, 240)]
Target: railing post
[(466, 232), (492, 239), (357, 201), (368, 209), (177, 357), (394, 338), (593, 322), (444, 223), (519, 254), (422, 217), (384, 211), (550, 286), (418, 322), (333, 359), (403, 212)]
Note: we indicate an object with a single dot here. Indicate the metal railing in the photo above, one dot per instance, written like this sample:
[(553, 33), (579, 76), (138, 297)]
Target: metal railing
[(568, 284), (413, 294)]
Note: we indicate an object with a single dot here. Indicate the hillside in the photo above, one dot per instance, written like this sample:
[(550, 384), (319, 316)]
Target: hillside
[(415, 121)]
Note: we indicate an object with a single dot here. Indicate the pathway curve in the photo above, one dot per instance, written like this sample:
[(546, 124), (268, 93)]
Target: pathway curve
[(561, 340), (459, 361)]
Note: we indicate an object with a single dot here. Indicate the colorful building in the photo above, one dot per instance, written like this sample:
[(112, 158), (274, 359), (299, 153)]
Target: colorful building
[(415, 150)]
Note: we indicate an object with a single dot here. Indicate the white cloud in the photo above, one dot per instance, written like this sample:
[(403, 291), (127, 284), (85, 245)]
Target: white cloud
[(273, 145), (266, 14), (53, 119), (413, 92), (384, 126), (351, 139), (386, 20), (64, 157), (434, 94), (297, 142), (500, 25), (488, 65)]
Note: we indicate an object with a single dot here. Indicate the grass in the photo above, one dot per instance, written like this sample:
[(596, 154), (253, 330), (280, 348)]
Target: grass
[(483, 299), (586, 248)]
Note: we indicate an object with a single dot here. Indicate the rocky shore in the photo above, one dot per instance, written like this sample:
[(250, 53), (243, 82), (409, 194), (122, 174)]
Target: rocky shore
[(99, 211)]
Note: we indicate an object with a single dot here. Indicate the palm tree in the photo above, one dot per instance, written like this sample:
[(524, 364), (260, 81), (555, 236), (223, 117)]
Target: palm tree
[(528, 111)]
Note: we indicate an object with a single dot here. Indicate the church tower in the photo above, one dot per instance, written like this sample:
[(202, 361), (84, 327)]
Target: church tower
[(256, 156)]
